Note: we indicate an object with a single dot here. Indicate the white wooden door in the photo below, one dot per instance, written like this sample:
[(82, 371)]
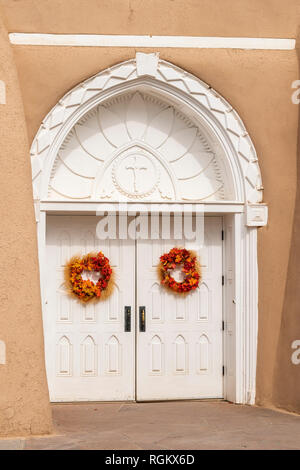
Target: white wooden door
[(179, 356), (88, 354)]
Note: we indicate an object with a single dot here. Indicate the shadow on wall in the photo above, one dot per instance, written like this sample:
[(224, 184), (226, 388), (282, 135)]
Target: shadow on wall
[(286, 381)]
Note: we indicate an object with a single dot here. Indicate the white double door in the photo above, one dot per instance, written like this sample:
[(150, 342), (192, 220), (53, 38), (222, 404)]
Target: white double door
[(99, 351)]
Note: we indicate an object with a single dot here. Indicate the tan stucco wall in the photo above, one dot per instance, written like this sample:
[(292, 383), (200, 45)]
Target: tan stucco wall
[(24, 400), (258, 86)]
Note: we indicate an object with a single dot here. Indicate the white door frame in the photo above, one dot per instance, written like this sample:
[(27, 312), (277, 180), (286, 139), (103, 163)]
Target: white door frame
[(242, 215), (240, 304)]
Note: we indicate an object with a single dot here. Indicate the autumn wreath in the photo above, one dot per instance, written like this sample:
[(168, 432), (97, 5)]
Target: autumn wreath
[(85, 289), (190, 266)]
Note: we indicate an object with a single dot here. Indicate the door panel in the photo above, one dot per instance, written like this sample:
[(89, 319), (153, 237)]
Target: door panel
[(179, 356), (88, 354)]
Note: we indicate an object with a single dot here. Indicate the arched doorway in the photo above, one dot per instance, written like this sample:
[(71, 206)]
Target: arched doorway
[(148, 131)]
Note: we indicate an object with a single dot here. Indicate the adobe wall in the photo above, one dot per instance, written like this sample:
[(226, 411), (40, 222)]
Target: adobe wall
[(241, 18), (258, 86), (24, 399)]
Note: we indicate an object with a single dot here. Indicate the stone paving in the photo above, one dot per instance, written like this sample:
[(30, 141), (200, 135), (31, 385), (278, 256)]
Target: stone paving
[(165, 425)]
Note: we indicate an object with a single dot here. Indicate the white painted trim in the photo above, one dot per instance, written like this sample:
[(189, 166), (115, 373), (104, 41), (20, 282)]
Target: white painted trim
[(65, 207), (240, 309), (41, 235), (251, 314), (112, 40), (246, 309)]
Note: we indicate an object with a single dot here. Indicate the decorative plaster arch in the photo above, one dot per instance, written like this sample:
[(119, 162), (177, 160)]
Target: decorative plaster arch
[(184, 89), (242, 214)]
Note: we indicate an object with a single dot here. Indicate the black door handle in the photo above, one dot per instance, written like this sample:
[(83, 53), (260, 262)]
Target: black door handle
[(127, 318), (142, 314)]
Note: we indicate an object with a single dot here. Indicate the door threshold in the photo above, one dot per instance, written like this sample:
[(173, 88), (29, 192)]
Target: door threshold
[(125, 402), (166, 400), (91, 402)]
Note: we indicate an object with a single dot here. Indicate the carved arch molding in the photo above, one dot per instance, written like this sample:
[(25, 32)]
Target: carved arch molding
[(144, 130)]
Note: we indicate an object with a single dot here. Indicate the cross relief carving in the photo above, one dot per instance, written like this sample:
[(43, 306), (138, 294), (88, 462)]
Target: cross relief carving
[(135, 174)]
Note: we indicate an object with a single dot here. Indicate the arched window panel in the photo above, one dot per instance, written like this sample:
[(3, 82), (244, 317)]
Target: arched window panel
[(64, 357), (88, 357), (156, 358)]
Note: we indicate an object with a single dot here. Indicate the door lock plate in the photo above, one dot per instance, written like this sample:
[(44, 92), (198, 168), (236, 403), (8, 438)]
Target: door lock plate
[(127, 318), (142, 315)]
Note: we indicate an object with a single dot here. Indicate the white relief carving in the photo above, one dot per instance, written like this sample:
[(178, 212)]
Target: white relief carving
[(137, 116), (106, 193), (143, 175), (163, 138), (76, 159), (135, 168), (160, 128), (165, 194), (146, 64), (90, 138), (113, 127), (68, 181), (256, 215)]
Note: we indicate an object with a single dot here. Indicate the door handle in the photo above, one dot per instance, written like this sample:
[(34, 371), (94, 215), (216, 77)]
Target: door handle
[(142, 314), (127, 318)]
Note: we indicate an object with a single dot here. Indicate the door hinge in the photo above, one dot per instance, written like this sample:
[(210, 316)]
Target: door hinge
[(222, 234), (223, 325), (223, 280), (223, 370)]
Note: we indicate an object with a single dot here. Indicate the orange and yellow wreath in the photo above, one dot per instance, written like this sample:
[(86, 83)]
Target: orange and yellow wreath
[(85, 289), (190, 267)]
